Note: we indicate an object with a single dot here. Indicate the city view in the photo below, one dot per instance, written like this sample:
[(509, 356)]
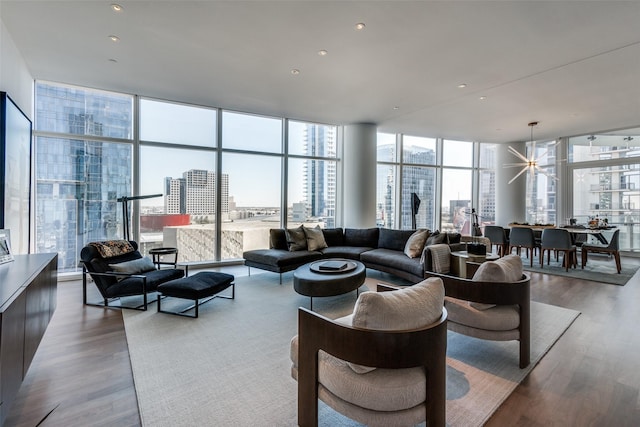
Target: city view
[(85, 153)]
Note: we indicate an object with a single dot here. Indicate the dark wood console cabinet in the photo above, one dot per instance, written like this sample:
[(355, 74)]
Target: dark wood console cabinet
[(28, 292)]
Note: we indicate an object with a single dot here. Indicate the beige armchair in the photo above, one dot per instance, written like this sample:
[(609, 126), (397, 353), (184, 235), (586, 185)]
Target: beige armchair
[(385, 364), (493, 305)]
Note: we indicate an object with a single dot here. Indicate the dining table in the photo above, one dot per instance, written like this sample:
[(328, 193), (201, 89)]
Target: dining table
[(596, 232)]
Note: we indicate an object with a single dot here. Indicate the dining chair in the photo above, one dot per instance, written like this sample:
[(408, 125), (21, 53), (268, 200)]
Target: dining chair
[(523, 237), (613, 248), (498, 237), (559, 240)]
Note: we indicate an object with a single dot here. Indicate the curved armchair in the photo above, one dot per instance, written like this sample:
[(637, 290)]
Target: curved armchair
[(498, 237), (354, 364), (523, 237), (492, 305), (118, 269), (558, 240), (613, 248)]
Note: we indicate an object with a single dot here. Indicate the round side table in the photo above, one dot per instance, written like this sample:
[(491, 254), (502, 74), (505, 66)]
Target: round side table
[(157, 255)]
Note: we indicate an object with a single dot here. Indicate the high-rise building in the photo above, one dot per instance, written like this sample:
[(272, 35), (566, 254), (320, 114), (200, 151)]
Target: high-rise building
[(174, 189), (320, 176), (195, 192)]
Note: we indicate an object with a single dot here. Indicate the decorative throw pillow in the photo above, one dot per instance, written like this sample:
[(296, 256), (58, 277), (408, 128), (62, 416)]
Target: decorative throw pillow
[(140, 265), (296, 239), (415, 244), (315, 238), (407, 308), (505, 269), (436, 238), (112, 248)]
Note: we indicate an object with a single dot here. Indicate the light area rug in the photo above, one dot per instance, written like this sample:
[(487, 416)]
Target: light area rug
[(598, 269), (231, 366)]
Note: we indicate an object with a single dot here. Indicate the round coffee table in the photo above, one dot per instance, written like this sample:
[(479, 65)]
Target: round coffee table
[(313, 280)]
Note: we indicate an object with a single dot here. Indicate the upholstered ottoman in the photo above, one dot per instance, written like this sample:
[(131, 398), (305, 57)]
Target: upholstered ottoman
[(201, 287)]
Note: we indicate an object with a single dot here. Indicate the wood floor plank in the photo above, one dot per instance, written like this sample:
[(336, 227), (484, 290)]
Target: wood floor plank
[(590, 377)]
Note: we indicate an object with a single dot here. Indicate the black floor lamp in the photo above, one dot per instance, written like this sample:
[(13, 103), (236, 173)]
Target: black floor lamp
[(415, 205), (125, 211)]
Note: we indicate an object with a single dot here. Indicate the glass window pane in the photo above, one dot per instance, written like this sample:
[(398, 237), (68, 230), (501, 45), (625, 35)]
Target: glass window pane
[(541, 197), (386, 147), (177, 124), (457, 153), (254, 202), (249, 132), (82, 111), (312, 193), (545, 152), (386, 196), (456, 199), (612, 194), (604, 147), (486, 209), (77, 184), (309, 139), (184, 215), (418, 150), (422, 182)]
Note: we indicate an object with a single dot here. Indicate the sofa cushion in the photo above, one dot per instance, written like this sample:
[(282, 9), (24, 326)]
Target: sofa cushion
[(415, 244), (315, 238), (140, 265), (350, 252), (505, 269), (333, 236), (496, 318), (278, 239), (393, 239), (380, 390), (133, 285), (280, 258), (364, 237), (296, 239), (393, 259)]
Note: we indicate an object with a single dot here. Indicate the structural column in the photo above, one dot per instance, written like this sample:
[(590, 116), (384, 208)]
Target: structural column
[(510, 198), (359, 175)]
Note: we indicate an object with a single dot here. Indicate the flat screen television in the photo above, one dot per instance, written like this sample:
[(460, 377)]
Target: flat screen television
[(15, 171)]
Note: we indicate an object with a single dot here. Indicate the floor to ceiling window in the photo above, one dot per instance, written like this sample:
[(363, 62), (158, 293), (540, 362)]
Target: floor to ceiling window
[(457, 190), (541, 194), (85, 149), (83, 163), (605, 182), (443, 184), (177, 169)]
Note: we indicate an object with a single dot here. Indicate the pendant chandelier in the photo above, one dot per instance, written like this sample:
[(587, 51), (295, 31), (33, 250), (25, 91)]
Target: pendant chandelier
[(530, 164)]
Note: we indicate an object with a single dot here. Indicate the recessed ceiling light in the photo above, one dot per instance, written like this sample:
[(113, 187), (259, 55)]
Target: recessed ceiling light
[(482, 98), (462, 85), (295, 71), (322, 52), (396, 108), (114, 38), (116, 7), (360, 26)]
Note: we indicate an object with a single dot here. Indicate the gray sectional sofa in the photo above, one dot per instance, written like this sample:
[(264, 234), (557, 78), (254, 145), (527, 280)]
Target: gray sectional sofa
[(377, 248)]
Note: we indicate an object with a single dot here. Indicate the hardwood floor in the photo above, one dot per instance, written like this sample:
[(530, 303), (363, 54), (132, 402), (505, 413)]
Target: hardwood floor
[(590, 377)]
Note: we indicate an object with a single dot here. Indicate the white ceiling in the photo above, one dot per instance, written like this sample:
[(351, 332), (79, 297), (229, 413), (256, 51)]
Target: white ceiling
[(574, 66)]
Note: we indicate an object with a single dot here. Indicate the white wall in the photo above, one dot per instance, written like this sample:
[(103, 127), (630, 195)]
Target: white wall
[(15, 78)]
